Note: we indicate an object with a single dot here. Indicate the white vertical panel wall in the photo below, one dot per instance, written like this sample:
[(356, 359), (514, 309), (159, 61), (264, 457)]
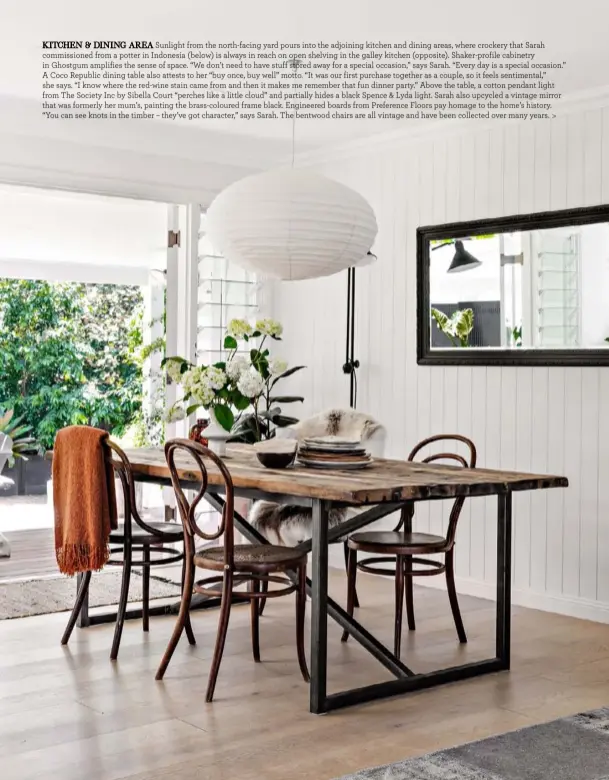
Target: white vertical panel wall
[(553, 420)]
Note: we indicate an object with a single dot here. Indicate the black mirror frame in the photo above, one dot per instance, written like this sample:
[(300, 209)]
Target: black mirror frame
[(481, 356)]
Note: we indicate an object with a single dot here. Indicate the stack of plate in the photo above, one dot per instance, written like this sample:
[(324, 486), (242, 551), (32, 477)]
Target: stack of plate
[(332, 452)]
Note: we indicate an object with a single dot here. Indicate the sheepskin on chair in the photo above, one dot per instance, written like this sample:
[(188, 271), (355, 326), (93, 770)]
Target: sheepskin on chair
[(291, 525)]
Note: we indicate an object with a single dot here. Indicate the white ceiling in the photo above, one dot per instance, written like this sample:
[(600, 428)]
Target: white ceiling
[(50, 226), (573, 31)]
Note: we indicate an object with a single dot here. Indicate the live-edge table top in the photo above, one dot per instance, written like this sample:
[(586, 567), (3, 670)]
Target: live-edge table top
[(382, 481)]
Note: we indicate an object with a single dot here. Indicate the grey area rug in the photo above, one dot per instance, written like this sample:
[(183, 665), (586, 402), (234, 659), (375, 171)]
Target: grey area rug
[(575, 748), (57, 594)]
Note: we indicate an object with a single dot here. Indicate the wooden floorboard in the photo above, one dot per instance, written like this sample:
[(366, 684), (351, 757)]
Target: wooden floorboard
[(32, 555), (68, 712)]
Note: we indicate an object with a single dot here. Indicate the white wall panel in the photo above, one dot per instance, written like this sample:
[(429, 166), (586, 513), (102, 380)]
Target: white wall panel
[(553, 420)]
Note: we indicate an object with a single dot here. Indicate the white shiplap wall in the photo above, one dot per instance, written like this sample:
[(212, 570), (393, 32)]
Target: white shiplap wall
[(553, 420)]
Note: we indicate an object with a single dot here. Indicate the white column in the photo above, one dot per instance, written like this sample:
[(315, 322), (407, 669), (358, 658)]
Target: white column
[(153, 334), (182, 295)]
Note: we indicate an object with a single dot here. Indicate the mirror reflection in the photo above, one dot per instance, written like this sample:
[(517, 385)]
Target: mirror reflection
[(544, 289)]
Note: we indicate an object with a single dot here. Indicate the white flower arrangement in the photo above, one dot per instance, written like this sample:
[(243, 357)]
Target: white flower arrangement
[(176, 413), (251, 383), (238, 329), (174, 371), (236, 367), (216, 377), (270, 328), (277, 366), (238, 390)]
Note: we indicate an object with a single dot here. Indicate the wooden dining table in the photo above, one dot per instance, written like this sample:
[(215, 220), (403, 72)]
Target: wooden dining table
[(378, 490)]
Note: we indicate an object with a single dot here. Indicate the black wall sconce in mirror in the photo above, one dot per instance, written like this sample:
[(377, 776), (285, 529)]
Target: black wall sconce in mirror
[(528, 289), (462, 260)]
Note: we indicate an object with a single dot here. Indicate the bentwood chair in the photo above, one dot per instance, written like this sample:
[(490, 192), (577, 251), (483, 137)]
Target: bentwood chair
[(135, 543), (402, 548), (235, 564)]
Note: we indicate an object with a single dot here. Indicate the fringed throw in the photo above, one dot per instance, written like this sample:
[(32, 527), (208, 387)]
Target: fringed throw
[(84, 499)]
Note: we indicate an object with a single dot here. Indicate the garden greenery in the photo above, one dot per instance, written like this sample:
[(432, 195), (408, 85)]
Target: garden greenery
[(70, 354)]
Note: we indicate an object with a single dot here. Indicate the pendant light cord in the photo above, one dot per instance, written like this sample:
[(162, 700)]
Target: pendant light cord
[(351, 364), (294, 62)]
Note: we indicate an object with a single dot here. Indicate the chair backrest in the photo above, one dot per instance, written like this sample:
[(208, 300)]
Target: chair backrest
[(122, 468), (468, 462), (341, 422), (199, 455)]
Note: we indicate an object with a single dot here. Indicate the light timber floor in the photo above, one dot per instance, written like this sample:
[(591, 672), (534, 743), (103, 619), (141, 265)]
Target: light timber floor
[(69, 713)]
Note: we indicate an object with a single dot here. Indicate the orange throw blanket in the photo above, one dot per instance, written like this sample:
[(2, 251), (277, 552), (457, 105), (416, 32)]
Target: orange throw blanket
[(84, 499)]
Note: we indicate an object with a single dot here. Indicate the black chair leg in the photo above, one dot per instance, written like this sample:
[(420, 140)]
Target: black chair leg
[(264, 587), (351, 583), (80, 598), (408, 584), (399, 605), (190, 634), (146, 588), (452, 595), (188, 572), (255, 619), (122, 605), (227, 597), (346, 550), (301, 602)]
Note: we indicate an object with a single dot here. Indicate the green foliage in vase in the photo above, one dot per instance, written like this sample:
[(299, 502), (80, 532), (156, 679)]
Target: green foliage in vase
[(240, 390), (457, 327)]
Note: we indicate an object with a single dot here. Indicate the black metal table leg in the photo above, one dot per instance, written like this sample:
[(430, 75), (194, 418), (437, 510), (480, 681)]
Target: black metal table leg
[(504, 577), (335, 611), (324, 607), (319, 607)]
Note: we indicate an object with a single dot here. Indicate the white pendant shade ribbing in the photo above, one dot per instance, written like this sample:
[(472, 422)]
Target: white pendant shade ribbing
[(291, 224), (367, 259)]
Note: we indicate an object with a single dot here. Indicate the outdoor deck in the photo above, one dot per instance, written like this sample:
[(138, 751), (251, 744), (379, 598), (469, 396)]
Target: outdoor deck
[(27, 523), (32, 555)]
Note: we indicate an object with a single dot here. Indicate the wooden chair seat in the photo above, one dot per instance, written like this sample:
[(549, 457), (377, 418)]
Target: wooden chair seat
[(167, 532), (251, 557), (397, 543)]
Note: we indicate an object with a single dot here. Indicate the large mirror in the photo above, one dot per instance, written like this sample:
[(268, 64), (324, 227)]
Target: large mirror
[(530, 289)]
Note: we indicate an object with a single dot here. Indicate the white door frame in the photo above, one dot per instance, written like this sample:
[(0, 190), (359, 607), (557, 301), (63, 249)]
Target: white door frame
[(182, 295)]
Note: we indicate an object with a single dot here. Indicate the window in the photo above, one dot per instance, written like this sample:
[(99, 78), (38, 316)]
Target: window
[(226, 292)]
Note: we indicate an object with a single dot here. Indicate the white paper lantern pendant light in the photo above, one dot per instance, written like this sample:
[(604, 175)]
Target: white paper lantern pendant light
[(291, 224)]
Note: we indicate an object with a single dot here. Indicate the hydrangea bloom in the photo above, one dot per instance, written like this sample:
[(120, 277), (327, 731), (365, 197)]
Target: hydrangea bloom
[(238, 329), (269, 328), (236, 367), (196, 382), (203, 395), (215, 377), (277, 366), (191, 377), (175, 414), (250, 383), (174, 371)]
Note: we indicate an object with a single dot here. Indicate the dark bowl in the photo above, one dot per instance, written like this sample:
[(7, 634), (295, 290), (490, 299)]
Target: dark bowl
[(276, 460)]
